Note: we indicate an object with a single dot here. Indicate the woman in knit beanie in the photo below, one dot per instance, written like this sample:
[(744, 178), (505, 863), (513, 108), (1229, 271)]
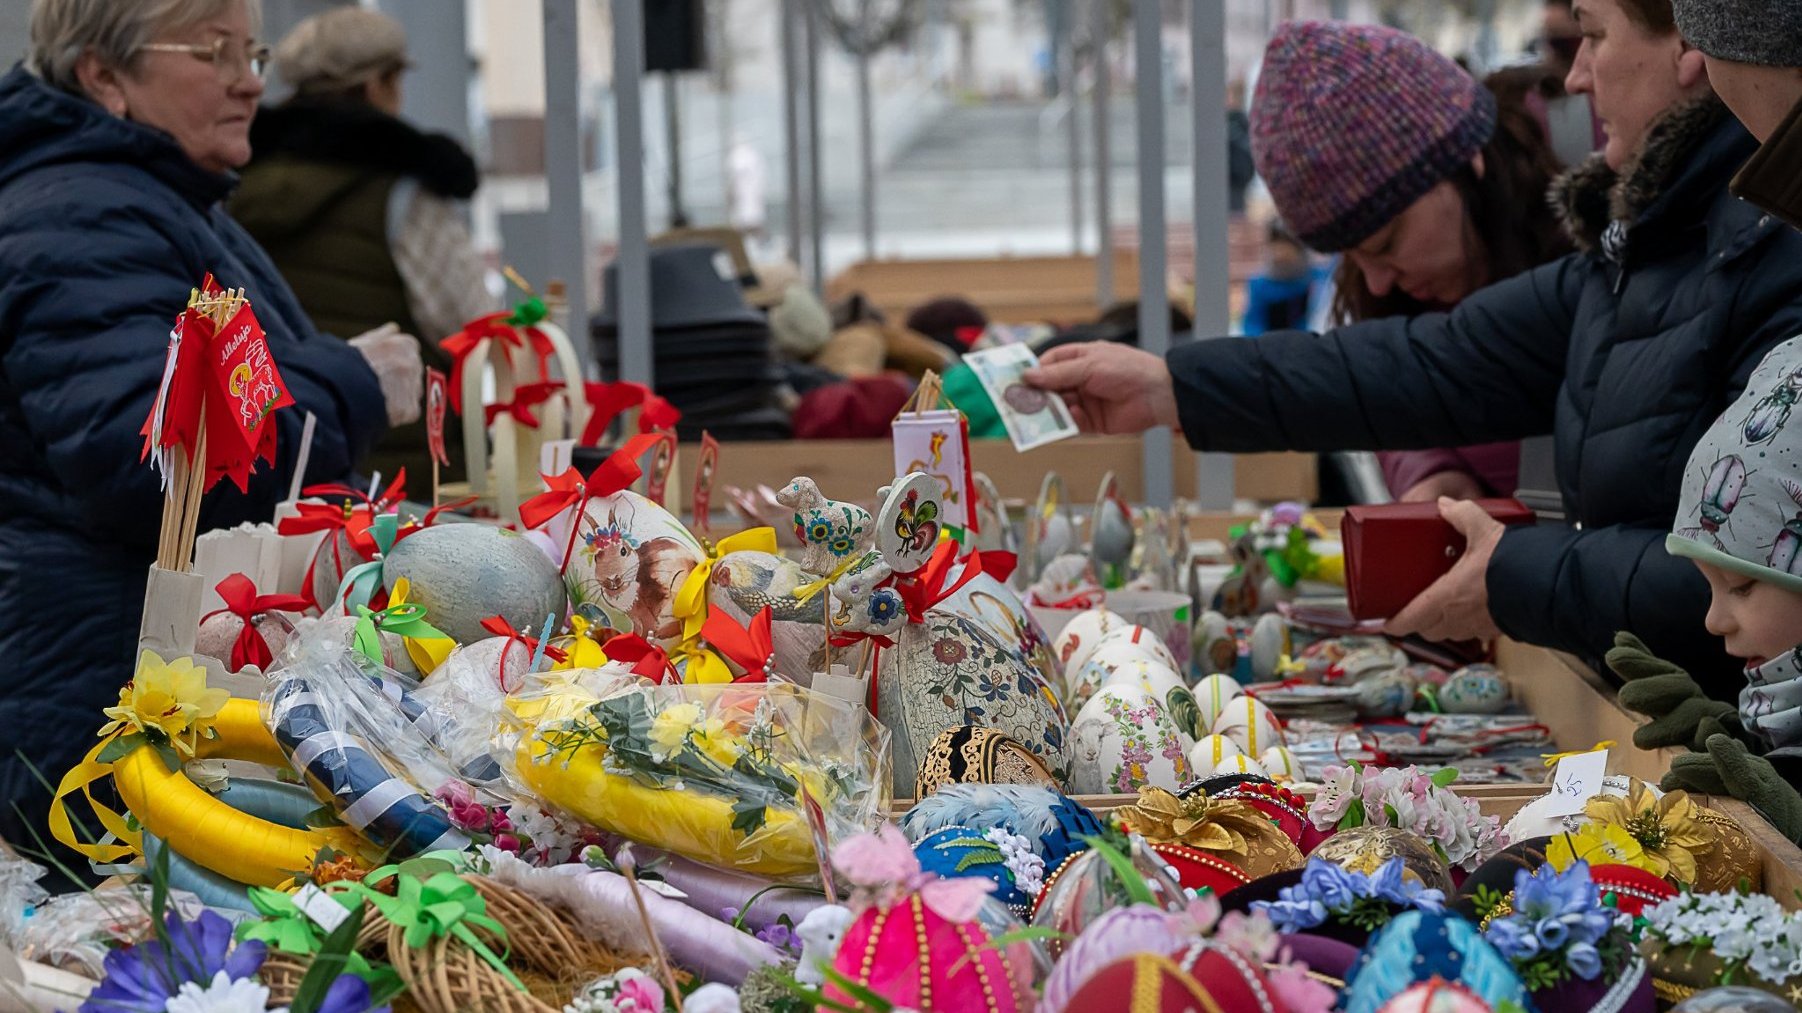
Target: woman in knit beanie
[(1377, 147), (1624, 352)]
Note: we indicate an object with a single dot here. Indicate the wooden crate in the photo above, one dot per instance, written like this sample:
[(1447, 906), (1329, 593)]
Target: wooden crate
[(1009, 290), (855, 469)]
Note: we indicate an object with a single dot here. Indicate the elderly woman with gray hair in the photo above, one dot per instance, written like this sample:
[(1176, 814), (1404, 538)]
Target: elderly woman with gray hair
[(118, 141)]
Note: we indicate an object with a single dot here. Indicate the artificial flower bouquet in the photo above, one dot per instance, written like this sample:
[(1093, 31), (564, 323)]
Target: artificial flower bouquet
[(1408, 798), (1559, 931), (1696, 941), (723, 774), (1329, 893)]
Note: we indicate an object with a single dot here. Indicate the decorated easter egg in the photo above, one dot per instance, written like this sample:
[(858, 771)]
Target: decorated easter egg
[(1251, 724), (1139, 928), (1123, 740), (1165, 615), (1081, 635), (1437, 996), (1432, 948), (1269, 645), (1365, 661), (1368, 848), (1280, 764), (1209, 755), (1214, 693), (1387, 693), (1475, 689), (908, 525), (1146, 640), (631, 559), (221, 632), (1148, 675), (465, 573), (912, 955), (1207, 977), (1215, 649), (1242, 764), (1085, 886), (955, 852), (971, 754)]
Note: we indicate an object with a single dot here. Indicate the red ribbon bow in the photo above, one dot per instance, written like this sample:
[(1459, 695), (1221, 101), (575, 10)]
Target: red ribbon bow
[(331, 519), (617, 472), (396, 491), (607, 400), (242, 600), (500, 627), (922, 592), (498, 327), (647, 659), (748, 647)]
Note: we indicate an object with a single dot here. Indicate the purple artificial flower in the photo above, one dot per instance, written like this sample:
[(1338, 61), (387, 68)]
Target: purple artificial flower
[(1335, 887), (1512, 940), (1392, 884), (349, 994), (142, 978), (1584, 960)]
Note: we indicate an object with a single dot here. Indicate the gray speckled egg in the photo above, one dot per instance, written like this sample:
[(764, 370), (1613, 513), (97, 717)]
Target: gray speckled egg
[(464, 573)]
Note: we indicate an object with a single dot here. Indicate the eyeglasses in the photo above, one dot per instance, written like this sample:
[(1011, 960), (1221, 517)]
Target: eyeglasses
[(228, 56)]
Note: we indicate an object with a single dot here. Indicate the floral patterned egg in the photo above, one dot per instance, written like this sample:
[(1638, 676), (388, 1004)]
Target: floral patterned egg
[(1475, 689), (1122, 741), (1166, 687), (1251, 724), (1145, 639), (1210, 752), (1214, 693), (631, 559), (1081, 635)]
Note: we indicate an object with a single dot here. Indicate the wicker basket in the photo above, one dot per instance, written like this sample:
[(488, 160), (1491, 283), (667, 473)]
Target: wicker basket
[(544, 949)]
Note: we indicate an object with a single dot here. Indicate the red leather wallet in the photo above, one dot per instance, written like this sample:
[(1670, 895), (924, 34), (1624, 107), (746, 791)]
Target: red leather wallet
[(1396, 550)]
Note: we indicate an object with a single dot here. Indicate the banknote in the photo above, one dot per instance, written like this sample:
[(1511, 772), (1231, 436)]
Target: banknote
[(1033, 417)]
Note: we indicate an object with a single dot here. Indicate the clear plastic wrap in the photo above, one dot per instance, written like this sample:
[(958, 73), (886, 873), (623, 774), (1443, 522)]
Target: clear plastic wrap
[(710, 772), (20, 894), (75, 931), (367, 745)]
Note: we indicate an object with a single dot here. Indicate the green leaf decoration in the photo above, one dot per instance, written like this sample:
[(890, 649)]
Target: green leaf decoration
[(748, 816), (530, 310), (1445, 776), (976, 858), (323, 818), (1137, 890), (120, 747), (171, 758)]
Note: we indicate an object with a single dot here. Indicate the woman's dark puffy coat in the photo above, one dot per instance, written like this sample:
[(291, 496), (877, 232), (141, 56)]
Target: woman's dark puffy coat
[(105, 226), (1625, 351)]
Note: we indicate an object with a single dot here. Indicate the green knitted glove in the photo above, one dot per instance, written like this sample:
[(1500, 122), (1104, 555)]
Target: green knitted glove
[(1666, 694), (1751, 778), (1695, 773)]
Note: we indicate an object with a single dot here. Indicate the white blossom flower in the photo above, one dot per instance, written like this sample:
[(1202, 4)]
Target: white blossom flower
[(221, 995)]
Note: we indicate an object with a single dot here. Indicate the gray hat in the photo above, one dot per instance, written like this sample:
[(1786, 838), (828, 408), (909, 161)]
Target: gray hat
[(1741, 507), (341, 48), (1764, 32)]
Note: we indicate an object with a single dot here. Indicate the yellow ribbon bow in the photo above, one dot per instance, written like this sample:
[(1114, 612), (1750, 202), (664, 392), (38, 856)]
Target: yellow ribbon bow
[(691, 601), (580, 650), (806, 592), (429, 652), (1551, 759)]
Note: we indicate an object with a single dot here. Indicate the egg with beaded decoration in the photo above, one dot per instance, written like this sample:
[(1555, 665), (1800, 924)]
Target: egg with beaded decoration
[(1081, 635), (1055, 823), (1123, 740), (954, 852), (914, 956), (1206, 976), (1252, 724), (1087, 886), (1421, 946), (1137, 928), (1436, 996)]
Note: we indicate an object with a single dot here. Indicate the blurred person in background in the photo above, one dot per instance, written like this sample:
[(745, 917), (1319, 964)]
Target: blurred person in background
[(1624, 351), (362, 212), (1241, 170), (1453, 198), (118, 141), (1569, 121), (1280, 297)]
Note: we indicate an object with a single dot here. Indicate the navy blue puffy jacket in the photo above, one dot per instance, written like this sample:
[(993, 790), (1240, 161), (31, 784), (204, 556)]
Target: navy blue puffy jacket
[(105, 226), (1624, 352)]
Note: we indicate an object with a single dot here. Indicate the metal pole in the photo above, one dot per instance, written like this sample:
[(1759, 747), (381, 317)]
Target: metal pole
[(816, 217), (1154, 299), (672, 126), (866, 142), (563, 162), (1068, 93), (1104, 161), (1213, 307), (791, 127), (634, 256)]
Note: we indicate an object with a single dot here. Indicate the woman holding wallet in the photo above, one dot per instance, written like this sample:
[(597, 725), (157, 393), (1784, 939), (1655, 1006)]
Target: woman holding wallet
[(1625, 351)]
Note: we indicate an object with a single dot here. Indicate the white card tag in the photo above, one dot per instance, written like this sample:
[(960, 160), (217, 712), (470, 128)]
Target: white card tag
[(1576, 780), (555, 456), (320, 908)]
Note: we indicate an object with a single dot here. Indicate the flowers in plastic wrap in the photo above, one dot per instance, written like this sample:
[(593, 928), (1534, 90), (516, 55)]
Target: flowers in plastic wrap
[(1408, 798), (717, 773)]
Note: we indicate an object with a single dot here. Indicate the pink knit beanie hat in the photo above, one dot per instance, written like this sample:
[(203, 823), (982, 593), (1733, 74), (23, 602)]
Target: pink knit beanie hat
[(1353, 123)]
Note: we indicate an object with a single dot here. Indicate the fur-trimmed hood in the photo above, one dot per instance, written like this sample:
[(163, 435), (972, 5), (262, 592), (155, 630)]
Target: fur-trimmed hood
[(1590, 197), (354, 134)]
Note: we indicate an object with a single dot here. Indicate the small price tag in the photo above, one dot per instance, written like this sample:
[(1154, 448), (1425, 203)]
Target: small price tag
[(320, 908), (555, 456), (1575, 780)]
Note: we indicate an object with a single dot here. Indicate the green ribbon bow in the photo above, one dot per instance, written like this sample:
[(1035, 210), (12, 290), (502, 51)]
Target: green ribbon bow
[(528, 311), (287, 928), (362, 581), (406, 621), (444, 905)]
